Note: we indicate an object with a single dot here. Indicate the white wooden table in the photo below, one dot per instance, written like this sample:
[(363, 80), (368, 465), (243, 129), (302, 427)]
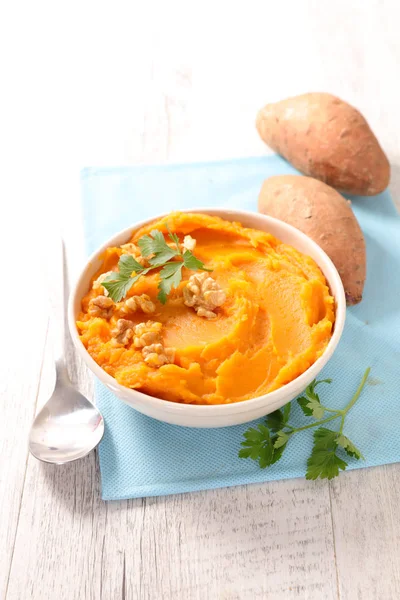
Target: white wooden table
[(93, 83)]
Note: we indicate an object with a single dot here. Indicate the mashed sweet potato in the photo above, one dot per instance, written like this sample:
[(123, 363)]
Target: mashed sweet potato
[(275, 322)]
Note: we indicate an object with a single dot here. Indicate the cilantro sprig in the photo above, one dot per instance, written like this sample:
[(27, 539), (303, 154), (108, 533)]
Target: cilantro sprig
[(159, 255), (266, 443)]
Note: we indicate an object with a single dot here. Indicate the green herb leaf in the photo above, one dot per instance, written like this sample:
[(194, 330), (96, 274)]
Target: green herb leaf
[(349, 447), (310, 403), (156, 241), (156, 244), (118, 285), (286, 412), (266, 454), (259, 445), (171, 276), (281, 439), (277, 451), (311, 407), (193, 263), (162, 295), (303, 403), (275, 420), (120, 282), (324, 463), (170, 269), (255, 436), (127, 265)]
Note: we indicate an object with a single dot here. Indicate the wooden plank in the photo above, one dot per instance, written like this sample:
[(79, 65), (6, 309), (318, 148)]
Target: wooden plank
[(20, 369), (256, 541), (367, 533)]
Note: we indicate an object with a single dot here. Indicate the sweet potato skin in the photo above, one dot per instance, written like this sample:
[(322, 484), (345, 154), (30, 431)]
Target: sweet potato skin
[(326, 138), (325, 216)]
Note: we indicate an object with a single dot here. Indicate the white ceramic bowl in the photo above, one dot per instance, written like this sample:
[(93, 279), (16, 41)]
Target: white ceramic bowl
[(224, 414)]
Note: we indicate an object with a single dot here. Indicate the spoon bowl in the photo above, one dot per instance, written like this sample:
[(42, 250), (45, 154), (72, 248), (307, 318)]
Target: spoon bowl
[(68, 427)]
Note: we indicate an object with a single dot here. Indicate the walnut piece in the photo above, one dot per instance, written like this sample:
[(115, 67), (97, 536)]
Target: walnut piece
[(123, 332), (156, 355), (189, 243), (97, 283), (203, 294), (148, 338), (135, 303), (101, 306), (147, 333), (135, 252)]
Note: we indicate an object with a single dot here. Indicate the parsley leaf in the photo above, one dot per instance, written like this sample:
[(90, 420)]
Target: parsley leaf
[(311, 407), (349, 447), (277, 451), (154, 246), (119, 285), (193, 263), (324, 462), (171, 275), (259, 445), (266, 443), (278, 419), (281, 439), (286, 412), (127, 264), (170, 269), (310, 403)]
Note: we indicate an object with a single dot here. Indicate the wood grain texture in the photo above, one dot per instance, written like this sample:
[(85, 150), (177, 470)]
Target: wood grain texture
[(19, 384), (367, 532), (148, 85)]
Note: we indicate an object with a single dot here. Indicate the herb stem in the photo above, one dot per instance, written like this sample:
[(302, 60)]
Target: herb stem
[(315, 424), (333, 410), (358, 391), (342, 425)]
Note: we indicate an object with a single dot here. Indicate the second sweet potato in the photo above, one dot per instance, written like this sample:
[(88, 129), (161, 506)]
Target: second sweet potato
[(326, 217)]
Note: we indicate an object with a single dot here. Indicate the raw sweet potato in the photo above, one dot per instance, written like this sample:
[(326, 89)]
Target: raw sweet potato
[(328, 139), (326, 217)]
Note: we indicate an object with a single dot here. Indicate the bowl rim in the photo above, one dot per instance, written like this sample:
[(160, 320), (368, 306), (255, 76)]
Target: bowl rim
[(290, 389)]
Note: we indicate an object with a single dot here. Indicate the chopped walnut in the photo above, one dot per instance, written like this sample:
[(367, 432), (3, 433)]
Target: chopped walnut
[(207, 314), (97, 283), (189, 243), (101, 306), (130, 249), (156, 355), (147, 333), (203, 294), (148, 338), (123, 332), (135, 303), (135, 251)]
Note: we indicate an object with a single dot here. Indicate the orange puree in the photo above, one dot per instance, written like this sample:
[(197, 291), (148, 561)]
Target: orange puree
[(276, 321)]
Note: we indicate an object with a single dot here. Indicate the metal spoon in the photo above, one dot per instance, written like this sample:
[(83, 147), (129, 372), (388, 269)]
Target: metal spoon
[(69, 426)]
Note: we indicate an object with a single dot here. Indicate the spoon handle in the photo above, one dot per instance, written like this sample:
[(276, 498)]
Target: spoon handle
[(57, 300)]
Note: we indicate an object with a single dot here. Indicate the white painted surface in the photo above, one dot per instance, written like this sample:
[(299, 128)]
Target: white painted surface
[(99, 83)]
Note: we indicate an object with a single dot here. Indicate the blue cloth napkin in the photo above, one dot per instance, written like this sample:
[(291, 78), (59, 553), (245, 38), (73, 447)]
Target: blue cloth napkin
[(140, 456)]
